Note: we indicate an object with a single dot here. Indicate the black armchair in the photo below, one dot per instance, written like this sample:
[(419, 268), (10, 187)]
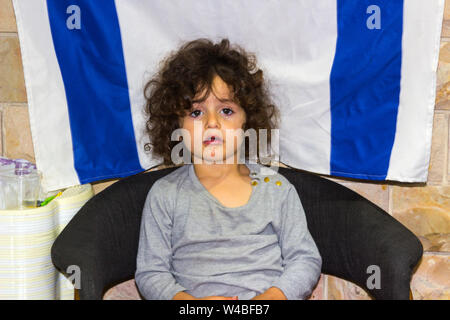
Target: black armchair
[(351, 233)]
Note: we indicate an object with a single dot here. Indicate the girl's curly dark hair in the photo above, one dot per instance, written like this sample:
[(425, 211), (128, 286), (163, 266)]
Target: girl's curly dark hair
[(190, 70)]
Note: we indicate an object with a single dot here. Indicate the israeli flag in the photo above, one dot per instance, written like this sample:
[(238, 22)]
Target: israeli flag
[(355, 80)]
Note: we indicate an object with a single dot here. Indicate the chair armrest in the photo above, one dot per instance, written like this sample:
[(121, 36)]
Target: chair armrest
[(395, 250), (352, 233), (374, 244), (103, 237), (76, 245)]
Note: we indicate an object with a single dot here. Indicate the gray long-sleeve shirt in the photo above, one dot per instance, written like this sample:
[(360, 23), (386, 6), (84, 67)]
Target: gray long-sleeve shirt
[(190, 242)]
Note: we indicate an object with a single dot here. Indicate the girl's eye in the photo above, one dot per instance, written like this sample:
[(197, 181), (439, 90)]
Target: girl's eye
[(228, 112), (197, 113), (194, 113)]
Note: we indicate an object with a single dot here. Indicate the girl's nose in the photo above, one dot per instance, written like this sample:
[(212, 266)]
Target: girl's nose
[(211, 120)]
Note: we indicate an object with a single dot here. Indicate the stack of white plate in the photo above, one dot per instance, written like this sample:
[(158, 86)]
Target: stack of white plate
[(26, 237)]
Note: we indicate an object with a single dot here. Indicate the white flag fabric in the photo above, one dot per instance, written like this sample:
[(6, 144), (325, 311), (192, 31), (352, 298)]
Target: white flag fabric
[(355, 81)]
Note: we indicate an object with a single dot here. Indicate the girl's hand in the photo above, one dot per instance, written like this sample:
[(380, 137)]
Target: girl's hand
[(218, 298), (186, 296), (273, 293)]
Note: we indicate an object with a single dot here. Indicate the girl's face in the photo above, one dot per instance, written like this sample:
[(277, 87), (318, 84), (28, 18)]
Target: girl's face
[(209, 122)]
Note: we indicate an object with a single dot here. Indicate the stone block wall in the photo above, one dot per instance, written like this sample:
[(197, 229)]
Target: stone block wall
[(423, 208)]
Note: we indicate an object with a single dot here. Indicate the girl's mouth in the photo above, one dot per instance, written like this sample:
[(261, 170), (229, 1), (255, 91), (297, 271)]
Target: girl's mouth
[(212, 141)]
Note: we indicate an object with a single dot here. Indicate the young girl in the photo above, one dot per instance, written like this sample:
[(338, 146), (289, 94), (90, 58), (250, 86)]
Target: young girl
[(217, 228)]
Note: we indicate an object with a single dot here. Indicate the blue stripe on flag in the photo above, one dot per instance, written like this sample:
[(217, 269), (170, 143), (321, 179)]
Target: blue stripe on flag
[(93, 71), (365, 89)]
